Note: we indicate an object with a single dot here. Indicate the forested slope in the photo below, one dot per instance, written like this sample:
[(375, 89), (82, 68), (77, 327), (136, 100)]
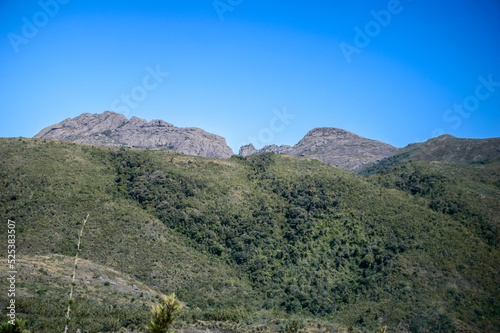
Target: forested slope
[(268, 236)]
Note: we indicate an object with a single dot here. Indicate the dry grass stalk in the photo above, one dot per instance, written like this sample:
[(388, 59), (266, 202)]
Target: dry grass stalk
[(73, 283)]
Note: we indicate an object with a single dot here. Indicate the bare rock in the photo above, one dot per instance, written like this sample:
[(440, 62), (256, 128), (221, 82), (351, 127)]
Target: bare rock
[(248, 150), (283, 149), (115, 130), (342, 148), (334, 146)]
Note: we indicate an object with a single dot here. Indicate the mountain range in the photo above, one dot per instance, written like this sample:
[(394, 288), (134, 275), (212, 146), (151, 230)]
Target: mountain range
[(330, 145), (409, 242)]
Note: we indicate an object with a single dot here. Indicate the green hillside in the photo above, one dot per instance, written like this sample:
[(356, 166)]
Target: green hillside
[(445, 148), (267, 242), (468, 193)]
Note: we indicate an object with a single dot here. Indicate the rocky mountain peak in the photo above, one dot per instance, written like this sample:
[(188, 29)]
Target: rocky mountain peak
[(111, 129), (334, 146)]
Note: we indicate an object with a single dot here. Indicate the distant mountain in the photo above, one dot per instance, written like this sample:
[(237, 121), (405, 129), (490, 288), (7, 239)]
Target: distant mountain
[(115, 130), (329, 145), (445, 148), (333, 146)]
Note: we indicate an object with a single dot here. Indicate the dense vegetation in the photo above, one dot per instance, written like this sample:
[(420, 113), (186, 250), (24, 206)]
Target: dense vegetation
[(268, 240), (446, 148)]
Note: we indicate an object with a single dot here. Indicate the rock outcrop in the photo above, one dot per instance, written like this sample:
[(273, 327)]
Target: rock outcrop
[(115, 130), (283, 149), (247, 150), (334, 146)]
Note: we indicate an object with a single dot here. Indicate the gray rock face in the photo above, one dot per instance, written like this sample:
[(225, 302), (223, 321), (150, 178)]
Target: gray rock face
[(248, 150), (335, 146), (283, 149), (115, 130), (342, 148)]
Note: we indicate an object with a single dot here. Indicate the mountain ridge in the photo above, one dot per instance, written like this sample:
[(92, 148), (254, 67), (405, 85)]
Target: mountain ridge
[(445, 148), (112, 129), (330, 145)]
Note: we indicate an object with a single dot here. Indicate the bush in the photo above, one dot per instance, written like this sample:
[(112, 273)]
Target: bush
[(7, 327), (163, 314)]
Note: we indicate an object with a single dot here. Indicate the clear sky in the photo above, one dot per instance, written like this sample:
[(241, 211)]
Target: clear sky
[(256, 70)]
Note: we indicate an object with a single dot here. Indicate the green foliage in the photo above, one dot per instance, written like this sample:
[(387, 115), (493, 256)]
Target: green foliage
[(163, 314), (443, 148), (466, 192), (263, 240), (43, 314), (7, 327)]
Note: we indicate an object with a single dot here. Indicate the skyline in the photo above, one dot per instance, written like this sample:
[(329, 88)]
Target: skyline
[(392, 71)]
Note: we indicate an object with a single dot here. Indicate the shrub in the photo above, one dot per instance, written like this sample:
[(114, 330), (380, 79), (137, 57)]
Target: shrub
[(163, 314), (7, 327)]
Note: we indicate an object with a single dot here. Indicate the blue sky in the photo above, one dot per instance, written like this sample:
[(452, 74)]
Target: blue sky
[(260, 71)]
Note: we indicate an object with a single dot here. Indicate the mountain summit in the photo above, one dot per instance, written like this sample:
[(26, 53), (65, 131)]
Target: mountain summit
[(333, 146), (115, 130)]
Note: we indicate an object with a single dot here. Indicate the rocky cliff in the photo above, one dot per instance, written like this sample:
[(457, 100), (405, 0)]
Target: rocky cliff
[(115, 130)]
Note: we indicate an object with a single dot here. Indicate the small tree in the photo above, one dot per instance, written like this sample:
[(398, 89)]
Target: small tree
[(163, 314)]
